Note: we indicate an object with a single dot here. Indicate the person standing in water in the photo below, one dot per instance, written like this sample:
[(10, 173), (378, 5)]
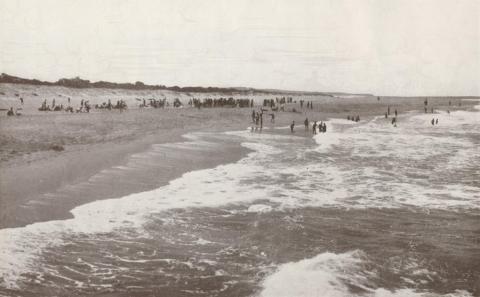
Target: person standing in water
[(306, 124), (314, 128), (433, 122), (292, 125)]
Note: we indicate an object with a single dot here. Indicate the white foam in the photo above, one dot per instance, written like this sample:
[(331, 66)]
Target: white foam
[(259, 208), (330, 275)]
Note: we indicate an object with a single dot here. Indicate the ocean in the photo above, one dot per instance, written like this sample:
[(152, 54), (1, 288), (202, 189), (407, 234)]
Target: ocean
[(365, 209)]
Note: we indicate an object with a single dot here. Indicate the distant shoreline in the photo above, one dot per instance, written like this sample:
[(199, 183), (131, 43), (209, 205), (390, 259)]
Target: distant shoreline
[(79, 83)]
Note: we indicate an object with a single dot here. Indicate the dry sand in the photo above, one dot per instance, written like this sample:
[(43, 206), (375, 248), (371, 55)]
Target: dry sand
[(46, 152)]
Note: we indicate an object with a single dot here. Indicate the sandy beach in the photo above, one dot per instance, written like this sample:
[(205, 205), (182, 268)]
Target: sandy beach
[(42, 152)]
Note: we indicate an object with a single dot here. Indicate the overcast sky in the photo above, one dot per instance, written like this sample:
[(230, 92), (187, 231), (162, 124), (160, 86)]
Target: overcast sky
[(383, 47)]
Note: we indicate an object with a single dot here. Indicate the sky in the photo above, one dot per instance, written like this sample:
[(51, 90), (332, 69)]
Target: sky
[(421, 47)]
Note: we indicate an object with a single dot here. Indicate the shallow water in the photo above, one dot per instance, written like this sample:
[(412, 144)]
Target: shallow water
[(365, 209)]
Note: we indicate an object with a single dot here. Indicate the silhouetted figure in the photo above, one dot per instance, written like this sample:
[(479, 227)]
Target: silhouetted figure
[(396, 113), (292, 125), (306, 124), (436, 121), (314, 128), (433, 122), (10, 112)]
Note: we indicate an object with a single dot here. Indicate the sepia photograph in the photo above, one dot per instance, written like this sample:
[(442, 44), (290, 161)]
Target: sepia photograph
[(242, 148)]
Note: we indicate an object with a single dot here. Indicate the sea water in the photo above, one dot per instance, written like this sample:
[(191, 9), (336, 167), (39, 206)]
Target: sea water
[(366, 209)]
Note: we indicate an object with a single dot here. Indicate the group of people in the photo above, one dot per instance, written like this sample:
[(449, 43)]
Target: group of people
[(354, 118), (309, 104), (257, 119), (55, 107), (120, 105), (320, 127), (160, 103), (221, 102)]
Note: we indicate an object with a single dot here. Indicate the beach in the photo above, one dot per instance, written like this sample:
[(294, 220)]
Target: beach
[(192, 202)]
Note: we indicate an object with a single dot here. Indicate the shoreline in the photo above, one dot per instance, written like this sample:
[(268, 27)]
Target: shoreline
[(29, 180)]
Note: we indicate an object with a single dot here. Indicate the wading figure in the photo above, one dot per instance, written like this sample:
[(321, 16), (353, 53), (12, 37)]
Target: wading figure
[(306, 124), (433, 122), (314, 128), (292, 125)]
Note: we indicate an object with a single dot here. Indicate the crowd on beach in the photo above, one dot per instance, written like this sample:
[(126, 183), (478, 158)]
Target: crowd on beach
[(85, 106), (220, 102), (269, 107)]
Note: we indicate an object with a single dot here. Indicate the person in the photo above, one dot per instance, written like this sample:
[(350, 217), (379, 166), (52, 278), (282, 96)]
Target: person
[(394, 120), (396, 113), (324, 128), (433, 122), (388, 110), (21, 100), (10, 112), (253, 116), (306, 124), (261, 120), (348, 118), (436, 121), (292, 125), (314, 128)]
